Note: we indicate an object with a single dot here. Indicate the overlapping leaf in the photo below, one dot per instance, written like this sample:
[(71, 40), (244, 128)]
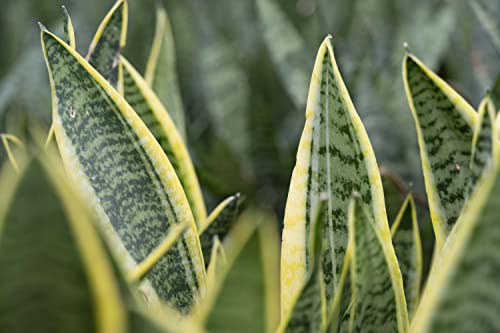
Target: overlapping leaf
[(125, 176), (149, 108), (334, 159), (244, 297), (218, 224), (378, 297), (104, 50), (445, 126), (161, 73), (462, 295), (408, 248)]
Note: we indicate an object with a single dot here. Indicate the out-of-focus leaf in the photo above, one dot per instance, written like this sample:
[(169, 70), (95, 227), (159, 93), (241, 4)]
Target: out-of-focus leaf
[(218, 224), (287, 50), (56, 276), (487, 14), (161, 73), (408, 248), (445, 124), (462, 295), (378, 295), (335, 158), (251, 273), (149, 108), (104, 50), (124, 175)]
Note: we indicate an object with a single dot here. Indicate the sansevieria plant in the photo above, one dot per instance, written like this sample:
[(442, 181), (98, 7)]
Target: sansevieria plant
[(103, 226)]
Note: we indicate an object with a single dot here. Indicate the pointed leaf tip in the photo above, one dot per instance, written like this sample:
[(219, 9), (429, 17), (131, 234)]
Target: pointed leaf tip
[(42, 27)]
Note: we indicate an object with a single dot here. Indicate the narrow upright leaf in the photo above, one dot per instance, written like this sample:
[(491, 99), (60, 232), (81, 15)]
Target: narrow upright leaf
[(334, 159), (463, 295), (445, 125), (149, 108), (251, 274), (408, 247), (484, 141), (488, 17), (161, 73), (104, 50), (308, 311), (69, 32), (123, 174), (218, 224), (378, 297), (287, 50), (55, 275)]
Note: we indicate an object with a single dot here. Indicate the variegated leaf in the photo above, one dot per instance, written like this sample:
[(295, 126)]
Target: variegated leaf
[(69, 32), (483, 141), (149, 108), (445, 125), (334, 159), (308, 312), (124, 175), (377, 289), (462, 295), (218, 224), (161, 73), (56, 275), (250, 273), (287, 49), (408, 247), (104, 50)]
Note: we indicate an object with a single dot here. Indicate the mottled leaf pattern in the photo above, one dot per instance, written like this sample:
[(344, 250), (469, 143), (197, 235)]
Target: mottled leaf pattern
[(334, 159), (287, 50), (108, 41), (218, 224), (376, 280), (463, 295), (445, 124), (147, 105), (308, 310), (124, 175), (69, 32), (56, 275), (408, 247), (161, 73), (483, 141)]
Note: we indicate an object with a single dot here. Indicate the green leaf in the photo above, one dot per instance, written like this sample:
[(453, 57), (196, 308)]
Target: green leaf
[(161, 73), (218, 224), (488, 17), (408, 248), (55, 276), (308, 310), (244, 297), (287, 49), (225, 87), (149, 108), (69, 32), (124, 175), (377, 288), (334, 159), (445, 125), (462, 295), (104, 50), (483, 142)]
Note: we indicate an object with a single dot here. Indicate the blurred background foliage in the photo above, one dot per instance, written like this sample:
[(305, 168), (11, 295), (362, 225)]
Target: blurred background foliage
[(244, 94)]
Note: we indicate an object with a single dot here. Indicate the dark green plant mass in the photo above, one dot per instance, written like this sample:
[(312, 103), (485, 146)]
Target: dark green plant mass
[(365, 143)]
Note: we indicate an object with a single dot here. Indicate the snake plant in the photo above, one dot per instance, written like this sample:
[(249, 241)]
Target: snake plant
[(106, 230)]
